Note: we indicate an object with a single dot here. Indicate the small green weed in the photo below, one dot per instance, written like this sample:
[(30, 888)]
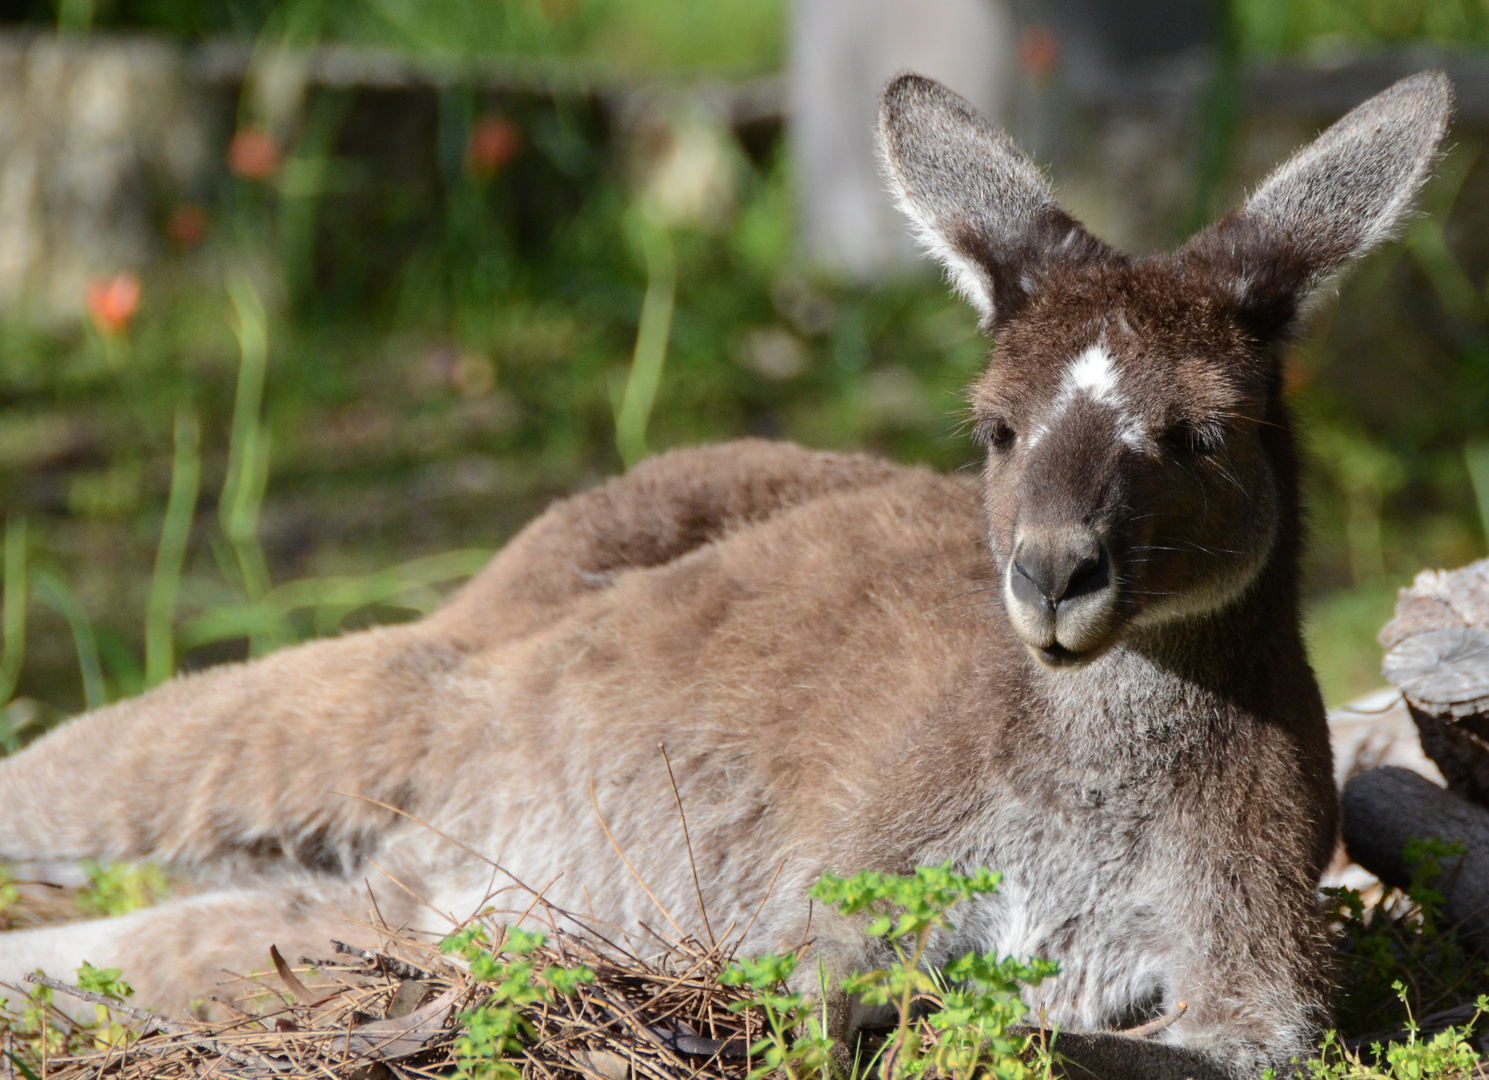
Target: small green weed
[(1389, 956), (972, 1026), (34, 1024), (795, 1041), (9, 894), (41, 1031), (1446, 1055), (956, 1026), (110, 983), (1400, 942), (496, 1028), (117, 888), (960, 1023), (968, 1024)]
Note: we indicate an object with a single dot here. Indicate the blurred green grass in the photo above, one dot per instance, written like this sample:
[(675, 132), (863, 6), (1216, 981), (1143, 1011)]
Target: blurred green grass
[(415, 419), (1270, 28), (598, 37), (1340, 631)]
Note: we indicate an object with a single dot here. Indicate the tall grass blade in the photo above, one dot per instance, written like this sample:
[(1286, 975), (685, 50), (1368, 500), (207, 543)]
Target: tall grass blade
[(121, 662), (248, 453), (54, 592), (652, 335), (1455, 291), (408, 585), (1428, 244), (13, 619), (75, 16), (175, 531), (1476, 457)]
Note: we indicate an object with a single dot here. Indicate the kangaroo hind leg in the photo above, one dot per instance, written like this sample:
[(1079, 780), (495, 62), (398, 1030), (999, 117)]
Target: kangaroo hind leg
[(242, 764), (181, 954)]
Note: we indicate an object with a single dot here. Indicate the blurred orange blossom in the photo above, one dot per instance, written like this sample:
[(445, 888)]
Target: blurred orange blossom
[(494, 141), (187, 224), (253, 154), (113, 301), (1038, 52)]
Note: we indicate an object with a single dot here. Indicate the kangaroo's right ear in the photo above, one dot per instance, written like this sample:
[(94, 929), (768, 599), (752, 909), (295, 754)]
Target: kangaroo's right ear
[(976, 203), (1329, 204)]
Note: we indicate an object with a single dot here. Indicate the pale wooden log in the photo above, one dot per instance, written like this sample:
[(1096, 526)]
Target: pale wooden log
[(1377, 730), (1437, 655), (842, 54)]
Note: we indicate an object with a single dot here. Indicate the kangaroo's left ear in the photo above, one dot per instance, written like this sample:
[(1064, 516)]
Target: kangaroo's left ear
[(1329, 204)]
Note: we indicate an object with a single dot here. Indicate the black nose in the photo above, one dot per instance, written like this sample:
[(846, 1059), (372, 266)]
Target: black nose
[(1049, 571)]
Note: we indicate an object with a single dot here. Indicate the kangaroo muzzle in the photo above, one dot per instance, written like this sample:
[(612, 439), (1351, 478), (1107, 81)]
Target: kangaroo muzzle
[(1061, 591)]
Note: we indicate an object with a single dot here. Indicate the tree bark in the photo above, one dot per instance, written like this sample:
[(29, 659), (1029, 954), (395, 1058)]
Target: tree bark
[(1437, 654)]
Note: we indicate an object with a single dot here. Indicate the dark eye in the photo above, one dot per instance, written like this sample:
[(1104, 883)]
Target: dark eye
[(1189, 439), (995, 433)]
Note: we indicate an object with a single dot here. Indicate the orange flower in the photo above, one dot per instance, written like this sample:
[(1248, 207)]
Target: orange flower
[(1038, 51), (253, 154), (187, 224), (494, 141), (113, 301)]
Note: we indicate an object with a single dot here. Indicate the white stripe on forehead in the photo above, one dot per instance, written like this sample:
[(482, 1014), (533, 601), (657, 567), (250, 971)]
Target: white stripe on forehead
[(1093, 374)]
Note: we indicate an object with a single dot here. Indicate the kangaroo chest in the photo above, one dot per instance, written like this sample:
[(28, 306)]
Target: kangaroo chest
[(1097, 831)]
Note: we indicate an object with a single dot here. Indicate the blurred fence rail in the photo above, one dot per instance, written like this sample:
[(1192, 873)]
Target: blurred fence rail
[(100, 134), (229, 63), (1323, 90)]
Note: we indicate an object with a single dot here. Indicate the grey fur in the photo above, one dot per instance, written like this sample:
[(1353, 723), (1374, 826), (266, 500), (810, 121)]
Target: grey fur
[(980, 207)]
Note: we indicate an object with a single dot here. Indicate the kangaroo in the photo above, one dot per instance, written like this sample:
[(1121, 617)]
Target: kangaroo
[(1084, 669)]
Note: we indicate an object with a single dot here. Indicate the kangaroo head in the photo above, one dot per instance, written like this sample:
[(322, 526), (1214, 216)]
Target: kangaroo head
[(1138, 459)]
